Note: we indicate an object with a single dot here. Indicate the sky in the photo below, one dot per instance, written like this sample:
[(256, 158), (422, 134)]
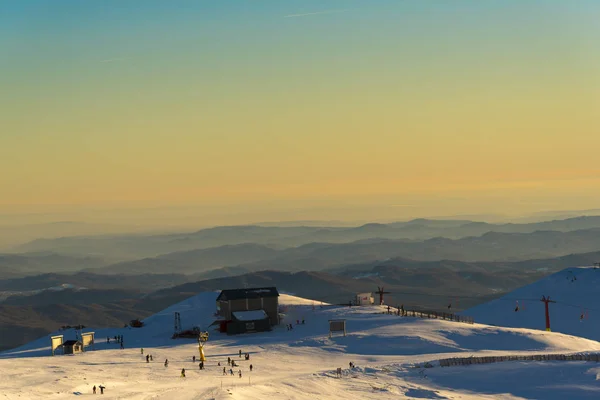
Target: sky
[(412, 107)]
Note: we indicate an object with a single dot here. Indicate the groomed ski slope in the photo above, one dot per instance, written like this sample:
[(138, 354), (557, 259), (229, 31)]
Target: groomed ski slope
[(576, 292), (300, 364)]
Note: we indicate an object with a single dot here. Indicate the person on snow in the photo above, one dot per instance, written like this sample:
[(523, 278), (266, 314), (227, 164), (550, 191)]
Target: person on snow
[(101, 389), (224, 371), (147, 358), (94, 389), (183, 372), (228, 360), (231, 371), (250, 367)]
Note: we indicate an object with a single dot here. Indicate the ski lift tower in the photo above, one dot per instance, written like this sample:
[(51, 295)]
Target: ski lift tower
[(202, 339), (380, 292)]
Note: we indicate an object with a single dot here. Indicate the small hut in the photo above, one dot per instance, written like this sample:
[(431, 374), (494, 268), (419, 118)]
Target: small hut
[(72, 347)]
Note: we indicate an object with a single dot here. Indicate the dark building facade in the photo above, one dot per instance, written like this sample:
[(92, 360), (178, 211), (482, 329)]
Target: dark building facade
[(267, 299), (72, 347), (248, 321)]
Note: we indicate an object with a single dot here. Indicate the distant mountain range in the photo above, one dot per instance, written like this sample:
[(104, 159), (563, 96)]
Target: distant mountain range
[(424, 263), (110, 300), (245, 258), (129, 247), (16, 265)]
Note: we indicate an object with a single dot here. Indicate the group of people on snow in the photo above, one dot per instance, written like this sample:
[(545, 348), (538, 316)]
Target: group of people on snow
[(99, 387)]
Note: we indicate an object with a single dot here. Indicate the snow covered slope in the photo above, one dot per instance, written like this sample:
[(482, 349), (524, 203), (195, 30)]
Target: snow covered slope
[(576, 292), (301, 363)]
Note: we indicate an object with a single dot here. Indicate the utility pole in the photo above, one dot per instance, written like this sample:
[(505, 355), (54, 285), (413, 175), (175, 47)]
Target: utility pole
[(547, 300)]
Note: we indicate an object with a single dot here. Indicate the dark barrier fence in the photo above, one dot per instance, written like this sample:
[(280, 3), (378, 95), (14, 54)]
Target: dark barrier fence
[(450, 362), (431, 315)]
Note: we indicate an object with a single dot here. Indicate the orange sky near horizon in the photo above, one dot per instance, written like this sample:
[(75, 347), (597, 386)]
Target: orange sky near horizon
[(178, 109)]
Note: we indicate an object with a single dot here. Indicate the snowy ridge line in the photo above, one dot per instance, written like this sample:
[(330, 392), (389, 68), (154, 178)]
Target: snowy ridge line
[(458, 361)]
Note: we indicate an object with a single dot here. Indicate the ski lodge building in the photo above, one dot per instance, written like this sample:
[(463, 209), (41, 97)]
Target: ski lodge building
[(364, 299), (248, 310)]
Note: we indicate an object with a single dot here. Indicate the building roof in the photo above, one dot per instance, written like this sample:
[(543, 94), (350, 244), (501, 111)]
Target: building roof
[(251, 293), (71, 343), (254, 315)]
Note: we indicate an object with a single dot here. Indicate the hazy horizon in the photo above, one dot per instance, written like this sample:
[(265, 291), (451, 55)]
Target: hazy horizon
[(218, 113)]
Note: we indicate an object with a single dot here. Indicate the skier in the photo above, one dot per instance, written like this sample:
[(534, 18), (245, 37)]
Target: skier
[(250, 367), (101, 389), (166, 363), (183, 372), (94, 389)]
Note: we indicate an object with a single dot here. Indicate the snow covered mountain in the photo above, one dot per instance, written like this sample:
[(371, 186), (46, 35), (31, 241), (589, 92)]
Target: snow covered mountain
[(388, 351), (575, 291)]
